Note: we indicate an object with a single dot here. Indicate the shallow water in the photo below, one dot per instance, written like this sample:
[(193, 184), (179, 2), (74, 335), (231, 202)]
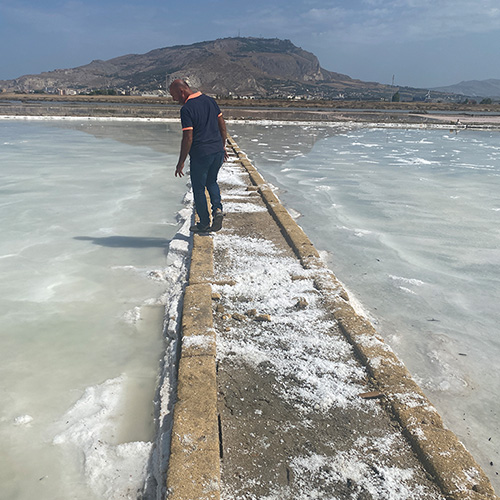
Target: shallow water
[(88, 209), (409, 222)]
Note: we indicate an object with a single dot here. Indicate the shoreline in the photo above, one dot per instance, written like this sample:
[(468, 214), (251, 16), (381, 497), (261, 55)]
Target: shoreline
[(415, 115), (443, 122), (415, 106)]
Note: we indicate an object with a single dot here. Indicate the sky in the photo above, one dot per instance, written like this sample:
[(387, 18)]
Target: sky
[(418, 43)]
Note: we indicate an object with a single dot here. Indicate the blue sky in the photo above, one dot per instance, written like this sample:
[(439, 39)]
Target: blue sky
[(423, 43)]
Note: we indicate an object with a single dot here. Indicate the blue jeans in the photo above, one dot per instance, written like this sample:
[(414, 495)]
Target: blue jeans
[(203, 173)]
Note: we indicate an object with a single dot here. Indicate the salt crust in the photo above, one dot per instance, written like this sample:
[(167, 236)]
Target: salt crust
[(383, 482), (298, 345), (329, 124), (90, 424), (177, 261), (87, 118), (23, 420), (243, 207), (200, 341), (387, 483), (228, 174), (414, 400)]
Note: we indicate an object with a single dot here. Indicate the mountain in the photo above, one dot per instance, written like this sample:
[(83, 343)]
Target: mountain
[(239, 66), (474, 88)]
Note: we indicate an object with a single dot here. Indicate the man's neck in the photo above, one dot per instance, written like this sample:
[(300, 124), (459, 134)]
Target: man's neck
[(192, 95)]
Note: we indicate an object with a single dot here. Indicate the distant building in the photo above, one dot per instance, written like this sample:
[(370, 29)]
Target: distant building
[(66, 92)]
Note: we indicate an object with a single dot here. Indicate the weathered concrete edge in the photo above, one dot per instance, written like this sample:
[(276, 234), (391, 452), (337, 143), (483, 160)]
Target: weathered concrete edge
[(194, 465), (454, 469)]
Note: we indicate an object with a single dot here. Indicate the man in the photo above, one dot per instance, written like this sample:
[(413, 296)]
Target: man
[(204, 139)]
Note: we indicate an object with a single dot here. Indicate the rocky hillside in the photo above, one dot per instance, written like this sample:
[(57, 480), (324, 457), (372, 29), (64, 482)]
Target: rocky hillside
[(238, 66)]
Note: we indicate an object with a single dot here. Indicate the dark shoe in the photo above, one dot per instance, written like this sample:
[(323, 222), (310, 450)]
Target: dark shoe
[(217, 220), (198, 228)]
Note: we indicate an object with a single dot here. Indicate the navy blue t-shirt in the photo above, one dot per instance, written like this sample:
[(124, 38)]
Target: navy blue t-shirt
[(200, 114)]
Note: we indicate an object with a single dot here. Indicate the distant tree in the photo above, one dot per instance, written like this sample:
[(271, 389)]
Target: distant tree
[(487, 100), (396, 97)]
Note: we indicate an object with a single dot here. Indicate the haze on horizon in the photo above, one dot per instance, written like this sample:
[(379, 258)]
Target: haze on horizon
[(421, 43)]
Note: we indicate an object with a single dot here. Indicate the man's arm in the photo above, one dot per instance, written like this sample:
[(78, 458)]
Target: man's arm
[(187, 140), (223, 133)]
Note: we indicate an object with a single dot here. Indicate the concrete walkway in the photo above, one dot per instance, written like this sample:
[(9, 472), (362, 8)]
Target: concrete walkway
[(284, 391)]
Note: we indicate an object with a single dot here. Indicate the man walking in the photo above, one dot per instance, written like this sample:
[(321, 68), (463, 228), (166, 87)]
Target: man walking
[(204, 139)]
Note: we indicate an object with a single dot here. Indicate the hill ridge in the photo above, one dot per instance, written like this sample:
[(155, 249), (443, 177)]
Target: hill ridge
[(233, 66)]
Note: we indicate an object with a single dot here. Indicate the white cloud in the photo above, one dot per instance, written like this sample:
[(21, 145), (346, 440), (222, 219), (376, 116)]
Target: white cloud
[(375, 21), (335, 14), (350, 36)]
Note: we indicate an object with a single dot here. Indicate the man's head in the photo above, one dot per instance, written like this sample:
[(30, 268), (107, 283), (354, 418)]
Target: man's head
[(180, 91)]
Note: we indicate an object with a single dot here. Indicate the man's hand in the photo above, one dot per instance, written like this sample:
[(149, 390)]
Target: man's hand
[(226, 155), (187, 140), (179, 170)]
